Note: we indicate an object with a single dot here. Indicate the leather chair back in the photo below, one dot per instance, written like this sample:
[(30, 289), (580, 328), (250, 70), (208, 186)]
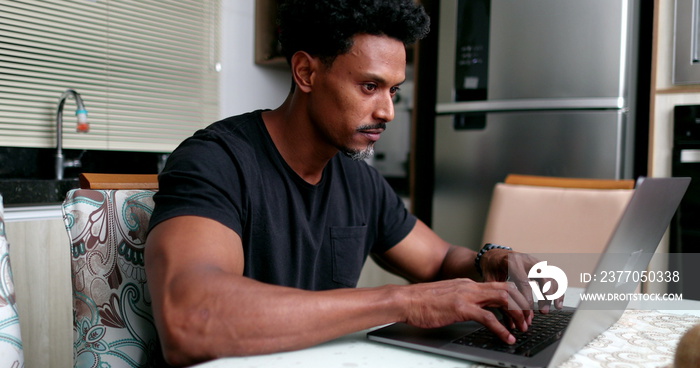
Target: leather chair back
[(550, 220)]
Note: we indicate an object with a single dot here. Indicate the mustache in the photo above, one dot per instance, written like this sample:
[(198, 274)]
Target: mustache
[(372, 126)]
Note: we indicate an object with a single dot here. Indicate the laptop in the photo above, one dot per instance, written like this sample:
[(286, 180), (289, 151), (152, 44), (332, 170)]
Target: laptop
[(630, 248)]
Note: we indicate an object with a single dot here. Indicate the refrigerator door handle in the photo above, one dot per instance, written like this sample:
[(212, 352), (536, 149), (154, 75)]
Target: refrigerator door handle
[(602, 103)]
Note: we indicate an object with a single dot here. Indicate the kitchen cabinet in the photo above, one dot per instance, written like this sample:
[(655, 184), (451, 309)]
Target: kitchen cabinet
[(40, 260)]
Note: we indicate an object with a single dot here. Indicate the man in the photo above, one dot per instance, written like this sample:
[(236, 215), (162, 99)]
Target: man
[(263, 221)]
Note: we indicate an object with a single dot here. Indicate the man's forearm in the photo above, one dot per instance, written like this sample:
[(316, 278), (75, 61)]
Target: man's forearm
[(213, 320), (261, 318), (459, 262)]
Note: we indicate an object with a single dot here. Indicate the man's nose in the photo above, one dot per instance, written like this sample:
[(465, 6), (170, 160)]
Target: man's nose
[(385, 108)]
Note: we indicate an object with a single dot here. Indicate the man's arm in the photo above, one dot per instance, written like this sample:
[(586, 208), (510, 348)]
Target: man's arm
[(423, 256), (204, 308)]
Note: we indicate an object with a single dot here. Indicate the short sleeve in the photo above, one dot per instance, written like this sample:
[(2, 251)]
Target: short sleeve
[(202, 179), (395, 221)]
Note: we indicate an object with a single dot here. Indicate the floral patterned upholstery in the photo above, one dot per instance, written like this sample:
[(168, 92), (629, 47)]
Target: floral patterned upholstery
[(11, 353), (112, 319)]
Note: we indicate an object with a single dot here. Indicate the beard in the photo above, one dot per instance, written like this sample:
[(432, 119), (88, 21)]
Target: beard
[(360, 155), (363, 154)]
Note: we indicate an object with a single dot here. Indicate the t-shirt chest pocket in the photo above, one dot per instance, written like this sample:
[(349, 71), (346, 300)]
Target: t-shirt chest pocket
[(348, 249)]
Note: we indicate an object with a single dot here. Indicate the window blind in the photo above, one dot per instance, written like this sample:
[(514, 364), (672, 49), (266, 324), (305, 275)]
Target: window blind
[(146, 71)]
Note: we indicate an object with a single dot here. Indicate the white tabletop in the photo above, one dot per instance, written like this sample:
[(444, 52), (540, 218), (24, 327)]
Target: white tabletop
[(643, 337), (349, 351)]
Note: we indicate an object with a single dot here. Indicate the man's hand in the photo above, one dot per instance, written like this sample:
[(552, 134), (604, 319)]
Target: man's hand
[(441, 303), (505, 265)]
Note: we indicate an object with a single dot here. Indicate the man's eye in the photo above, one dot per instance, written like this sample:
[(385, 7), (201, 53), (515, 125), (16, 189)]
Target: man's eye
[(370, 86), (395, 90)]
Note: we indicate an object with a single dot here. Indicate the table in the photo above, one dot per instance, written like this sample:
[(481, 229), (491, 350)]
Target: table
[(645, 336)]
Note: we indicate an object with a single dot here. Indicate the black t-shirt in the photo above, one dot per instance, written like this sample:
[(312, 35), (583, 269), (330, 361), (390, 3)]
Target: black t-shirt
[(313, 237)]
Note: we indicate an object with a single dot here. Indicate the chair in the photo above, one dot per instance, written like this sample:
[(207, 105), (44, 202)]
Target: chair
[(546, 215), (112, 317), (11, 351), (580, 183), (118, 181)]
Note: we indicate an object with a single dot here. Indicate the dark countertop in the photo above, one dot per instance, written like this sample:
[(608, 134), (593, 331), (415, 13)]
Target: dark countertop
[(22, 192), (26, 173)]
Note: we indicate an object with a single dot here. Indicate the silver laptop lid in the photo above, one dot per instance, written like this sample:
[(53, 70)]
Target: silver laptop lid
[(631, 247)]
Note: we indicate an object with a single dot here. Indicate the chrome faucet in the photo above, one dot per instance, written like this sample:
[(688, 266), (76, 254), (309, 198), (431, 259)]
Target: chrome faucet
[(82, 127)]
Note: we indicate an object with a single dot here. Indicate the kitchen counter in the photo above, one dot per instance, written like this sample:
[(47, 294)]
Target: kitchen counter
[(31, 213), (23, 192), (27, 174)]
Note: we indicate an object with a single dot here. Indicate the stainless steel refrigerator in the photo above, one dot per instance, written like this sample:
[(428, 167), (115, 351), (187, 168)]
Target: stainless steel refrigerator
[(539, 87)]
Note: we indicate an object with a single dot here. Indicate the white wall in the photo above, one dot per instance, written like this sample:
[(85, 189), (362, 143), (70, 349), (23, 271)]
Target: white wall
[(245, 86)]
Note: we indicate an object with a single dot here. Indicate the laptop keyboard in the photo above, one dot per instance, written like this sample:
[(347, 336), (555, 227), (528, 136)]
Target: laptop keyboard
[(544, 330)]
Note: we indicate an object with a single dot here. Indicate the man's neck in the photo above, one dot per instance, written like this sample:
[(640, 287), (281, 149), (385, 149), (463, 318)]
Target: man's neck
[(293, 136)]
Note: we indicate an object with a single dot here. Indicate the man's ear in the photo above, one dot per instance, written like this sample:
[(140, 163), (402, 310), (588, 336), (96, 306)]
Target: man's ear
[(304, 68)]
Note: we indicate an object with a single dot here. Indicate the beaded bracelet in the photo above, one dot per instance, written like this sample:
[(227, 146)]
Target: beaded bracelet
[(486, 248)]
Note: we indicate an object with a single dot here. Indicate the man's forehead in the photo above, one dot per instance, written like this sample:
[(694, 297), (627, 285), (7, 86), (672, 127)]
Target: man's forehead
[(377, 57)]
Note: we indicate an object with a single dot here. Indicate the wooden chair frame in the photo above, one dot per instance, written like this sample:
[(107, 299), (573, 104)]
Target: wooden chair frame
[(118, 181), (547, 181)]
